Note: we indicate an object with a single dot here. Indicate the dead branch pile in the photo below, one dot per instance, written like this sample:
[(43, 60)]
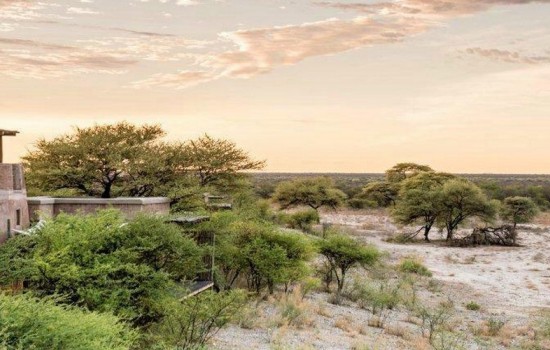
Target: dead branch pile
[(504, 235)]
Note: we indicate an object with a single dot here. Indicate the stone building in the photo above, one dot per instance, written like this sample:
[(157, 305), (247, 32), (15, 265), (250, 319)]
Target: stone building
[(14, 210)]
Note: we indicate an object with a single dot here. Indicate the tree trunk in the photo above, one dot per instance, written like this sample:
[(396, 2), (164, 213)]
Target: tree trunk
[(427, 233), (107, 190)]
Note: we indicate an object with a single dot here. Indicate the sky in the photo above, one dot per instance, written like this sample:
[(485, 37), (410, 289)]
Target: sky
[(309, 86)]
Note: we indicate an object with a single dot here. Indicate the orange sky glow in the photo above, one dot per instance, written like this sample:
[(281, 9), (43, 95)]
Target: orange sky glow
[(309, 86)]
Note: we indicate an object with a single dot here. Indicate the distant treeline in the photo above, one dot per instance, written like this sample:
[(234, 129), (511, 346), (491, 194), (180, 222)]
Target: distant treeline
[(496, 186)]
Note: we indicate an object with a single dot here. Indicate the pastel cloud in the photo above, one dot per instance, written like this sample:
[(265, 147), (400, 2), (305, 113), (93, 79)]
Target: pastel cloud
[(507, 56), (442, 8), (262, 50), (29, 58)]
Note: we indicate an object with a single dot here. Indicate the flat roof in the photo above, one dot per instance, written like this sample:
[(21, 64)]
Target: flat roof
[(4, 132)]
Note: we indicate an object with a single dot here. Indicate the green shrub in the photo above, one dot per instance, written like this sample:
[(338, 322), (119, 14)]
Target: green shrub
[(413, 265), (342, 253), (473, 306), (98, 262), (302, 220), (193, 322), (377, 297), (494, 326), (30, 323), (257, 252)]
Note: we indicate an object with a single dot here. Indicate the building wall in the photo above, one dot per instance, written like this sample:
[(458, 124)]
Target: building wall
[(14, 210), (130, 207)]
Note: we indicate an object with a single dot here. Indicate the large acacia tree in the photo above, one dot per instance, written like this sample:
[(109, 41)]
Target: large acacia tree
[(127, 160), (313, 192), (461, 200), (94, 160), (421, 200)]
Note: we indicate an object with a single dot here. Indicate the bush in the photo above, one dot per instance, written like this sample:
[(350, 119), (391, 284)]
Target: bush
[(98, 262), (302, 220), (193, 322), (473, 306), (413, 265), (29, 323), (256, 251), (376, 297)]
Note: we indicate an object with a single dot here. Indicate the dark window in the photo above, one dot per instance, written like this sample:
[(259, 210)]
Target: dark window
[(18, 217)]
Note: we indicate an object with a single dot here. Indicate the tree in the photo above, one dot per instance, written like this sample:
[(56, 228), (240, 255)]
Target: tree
[(461, 199), (383, 193), (518, 210), (420, 200), (93, 160), (342, 253), (402, 171), (127, 160), (217, 160), (258, 252), (312, 192), (32, 323)]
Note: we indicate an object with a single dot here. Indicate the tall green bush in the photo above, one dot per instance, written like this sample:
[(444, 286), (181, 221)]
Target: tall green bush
[(101, 263), (30, 323)]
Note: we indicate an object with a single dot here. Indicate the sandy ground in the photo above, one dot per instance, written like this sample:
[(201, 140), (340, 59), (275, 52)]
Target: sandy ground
[(511, 284), (512, 278)]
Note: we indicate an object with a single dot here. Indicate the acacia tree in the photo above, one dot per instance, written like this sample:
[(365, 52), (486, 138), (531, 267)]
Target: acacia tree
[(343, 252), (461, 199), (92, 160), (215, 160), (383, 193), (403, 171), (420, 200), (518, 210), (127, 160), (314, 193)]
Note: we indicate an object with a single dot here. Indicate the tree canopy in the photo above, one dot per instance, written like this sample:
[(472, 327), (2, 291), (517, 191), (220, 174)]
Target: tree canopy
[(462, 199), (127, 160), (343, 252), (518, 210), (314, 193), (402, 171), (420, 200)]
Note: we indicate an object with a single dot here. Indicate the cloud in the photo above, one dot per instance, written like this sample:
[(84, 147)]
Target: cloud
[(81, 11), (439, 8), (507, 56), (30, 58), (261, 50)]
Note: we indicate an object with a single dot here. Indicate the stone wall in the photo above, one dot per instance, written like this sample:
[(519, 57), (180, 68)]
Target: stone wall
[(130, 207), (14, 212)]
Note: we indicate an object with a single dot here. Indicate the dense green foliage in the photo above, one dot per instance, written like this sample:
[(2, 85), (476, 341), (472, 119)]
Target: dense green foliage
[(518, 210), (257, 252), (343, 252), (314, 193), (30, 323), (126, 160), (462, 199), (421, 200), (101, 264), (300, 220)]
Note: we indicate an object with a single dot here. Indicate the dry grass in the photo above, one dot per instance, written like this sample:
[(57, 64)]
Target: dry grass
[(542, 219), (294, 311), (345, 323), (396, 330)]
